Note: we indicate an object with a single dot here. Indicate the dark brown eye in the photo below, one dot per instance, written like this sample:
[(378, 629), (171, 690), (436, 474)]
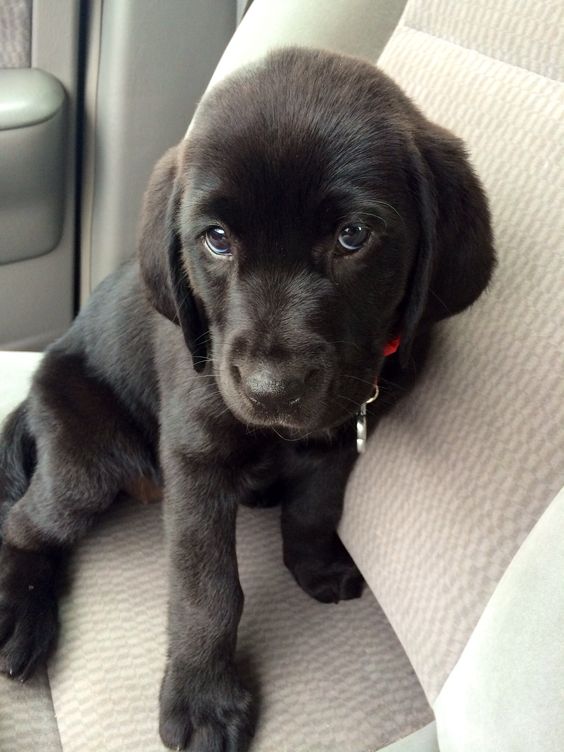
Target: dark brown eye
[(217, 241), (353, 237)]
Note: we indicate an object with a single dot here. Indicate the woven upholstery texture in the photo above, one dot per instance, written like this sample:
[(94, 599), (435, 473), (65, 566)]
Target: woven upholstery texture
[(506, 690), (27, 717), (529, 35), (15, 33), (330, 678), (458, 474)]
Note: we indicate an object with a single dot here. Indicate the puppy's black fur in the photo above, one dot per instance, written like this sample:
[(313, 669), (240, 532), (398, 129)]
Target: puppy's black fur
[(237, 377)]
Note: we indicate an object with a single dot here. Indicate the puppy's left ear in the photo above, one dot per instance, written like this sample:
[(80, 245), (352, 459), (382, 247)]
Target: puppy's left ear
[(161, 259), (455, 257)]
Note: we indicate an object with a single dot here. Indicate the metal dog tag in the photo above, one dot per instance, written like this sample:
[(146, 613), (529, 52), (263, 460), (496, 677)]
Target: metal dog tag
[(361, 428)]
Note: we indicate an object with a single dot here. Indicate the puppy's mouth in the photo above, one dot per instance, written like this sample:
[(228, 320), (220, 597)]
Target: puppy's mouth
[(292, 416), (318, 411)]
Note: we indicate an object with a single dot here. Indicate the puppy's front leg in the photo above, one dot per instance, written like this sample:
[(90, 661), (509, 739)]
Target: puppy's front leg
[(311, 512), (203, 705)]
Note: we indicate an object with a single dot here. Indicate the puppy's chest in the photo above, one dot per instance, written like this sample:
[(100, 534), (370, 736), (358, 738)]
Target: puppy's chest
[(265, 464)]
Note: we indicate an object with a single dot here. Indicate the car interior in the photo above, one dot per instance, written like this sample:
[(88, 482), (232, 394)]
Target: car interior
[(455, 513)]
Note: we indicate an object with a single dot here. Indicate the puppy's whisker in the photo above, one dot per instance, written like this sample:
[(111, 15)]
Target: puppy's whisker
[(387, 382), (393, 208), (280, 435), (219, 415), (441, 301), (357, 378), (202, 337), (345, 342), (354, 402), (290, 440)]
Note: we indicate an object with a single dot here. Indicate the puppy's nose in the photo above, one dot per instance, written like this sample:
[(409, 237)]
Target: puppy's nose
[(273, 389)]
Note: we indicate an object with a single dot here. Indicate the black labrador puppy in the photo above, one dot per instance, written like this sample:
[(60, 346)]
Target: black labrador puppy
[(312, 221)]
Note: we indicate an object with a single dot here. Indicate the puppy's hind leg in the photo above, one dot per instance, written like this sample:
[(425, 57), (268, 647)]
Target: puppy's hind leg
[(88, 448)]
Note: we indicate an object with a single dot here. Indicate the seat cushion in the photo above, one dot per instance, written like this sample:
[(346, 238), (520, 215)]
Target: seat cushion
[(424, 740), (27, 717), (507, 690), (16, 370), (331, 678)]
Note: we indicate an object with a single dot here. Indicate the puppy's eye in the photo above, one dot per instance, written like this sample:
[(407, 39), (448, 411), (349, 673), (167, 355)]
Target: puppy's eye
[(217, 241), (353, 237)]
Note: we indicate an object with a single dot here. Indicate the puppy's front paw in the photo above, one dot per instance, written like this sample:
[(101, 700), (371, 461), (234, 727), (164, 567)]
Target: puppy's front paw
[(204, 714), (28, 628), (28, 610), (329, 578)]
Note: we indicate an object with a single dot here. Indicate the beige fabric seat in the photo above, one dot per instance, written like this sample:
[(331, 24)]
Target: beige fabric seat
[(329, 678), (440, 510)]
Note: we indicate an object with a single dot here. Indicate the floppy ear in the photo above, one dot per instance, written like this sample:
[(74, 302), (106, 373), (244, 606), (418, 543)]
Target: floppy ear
[(160, 257), (455, 257)]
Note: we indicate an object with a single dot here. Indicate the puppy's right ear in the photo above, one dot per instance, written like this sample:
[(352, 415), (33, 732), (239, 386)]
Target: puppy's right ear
[(160, 256)]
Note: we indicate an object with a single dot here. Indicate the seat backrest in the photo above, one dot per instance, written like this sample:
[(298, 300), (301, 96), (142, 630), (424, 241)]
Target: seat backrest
[(352, 27), (457, 475), (15, 33)]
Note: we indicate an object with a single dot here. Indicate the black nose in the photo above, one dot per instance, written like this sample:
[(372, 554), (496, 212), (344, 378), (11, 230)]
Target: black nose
[(273, 389)]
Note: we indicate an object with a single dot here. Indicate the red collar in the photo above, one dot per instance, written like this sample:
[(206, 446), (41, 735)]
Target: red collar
[(391, 347)]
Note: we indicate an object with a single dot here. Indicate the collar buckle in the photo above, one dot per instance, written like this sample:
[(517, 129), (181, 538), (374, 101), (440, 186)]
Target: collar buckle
[(361, 424)]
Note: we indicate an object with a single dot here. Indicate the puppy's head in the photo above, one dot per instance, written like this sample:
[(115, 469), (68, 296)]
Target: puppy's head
[(312, 215)]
